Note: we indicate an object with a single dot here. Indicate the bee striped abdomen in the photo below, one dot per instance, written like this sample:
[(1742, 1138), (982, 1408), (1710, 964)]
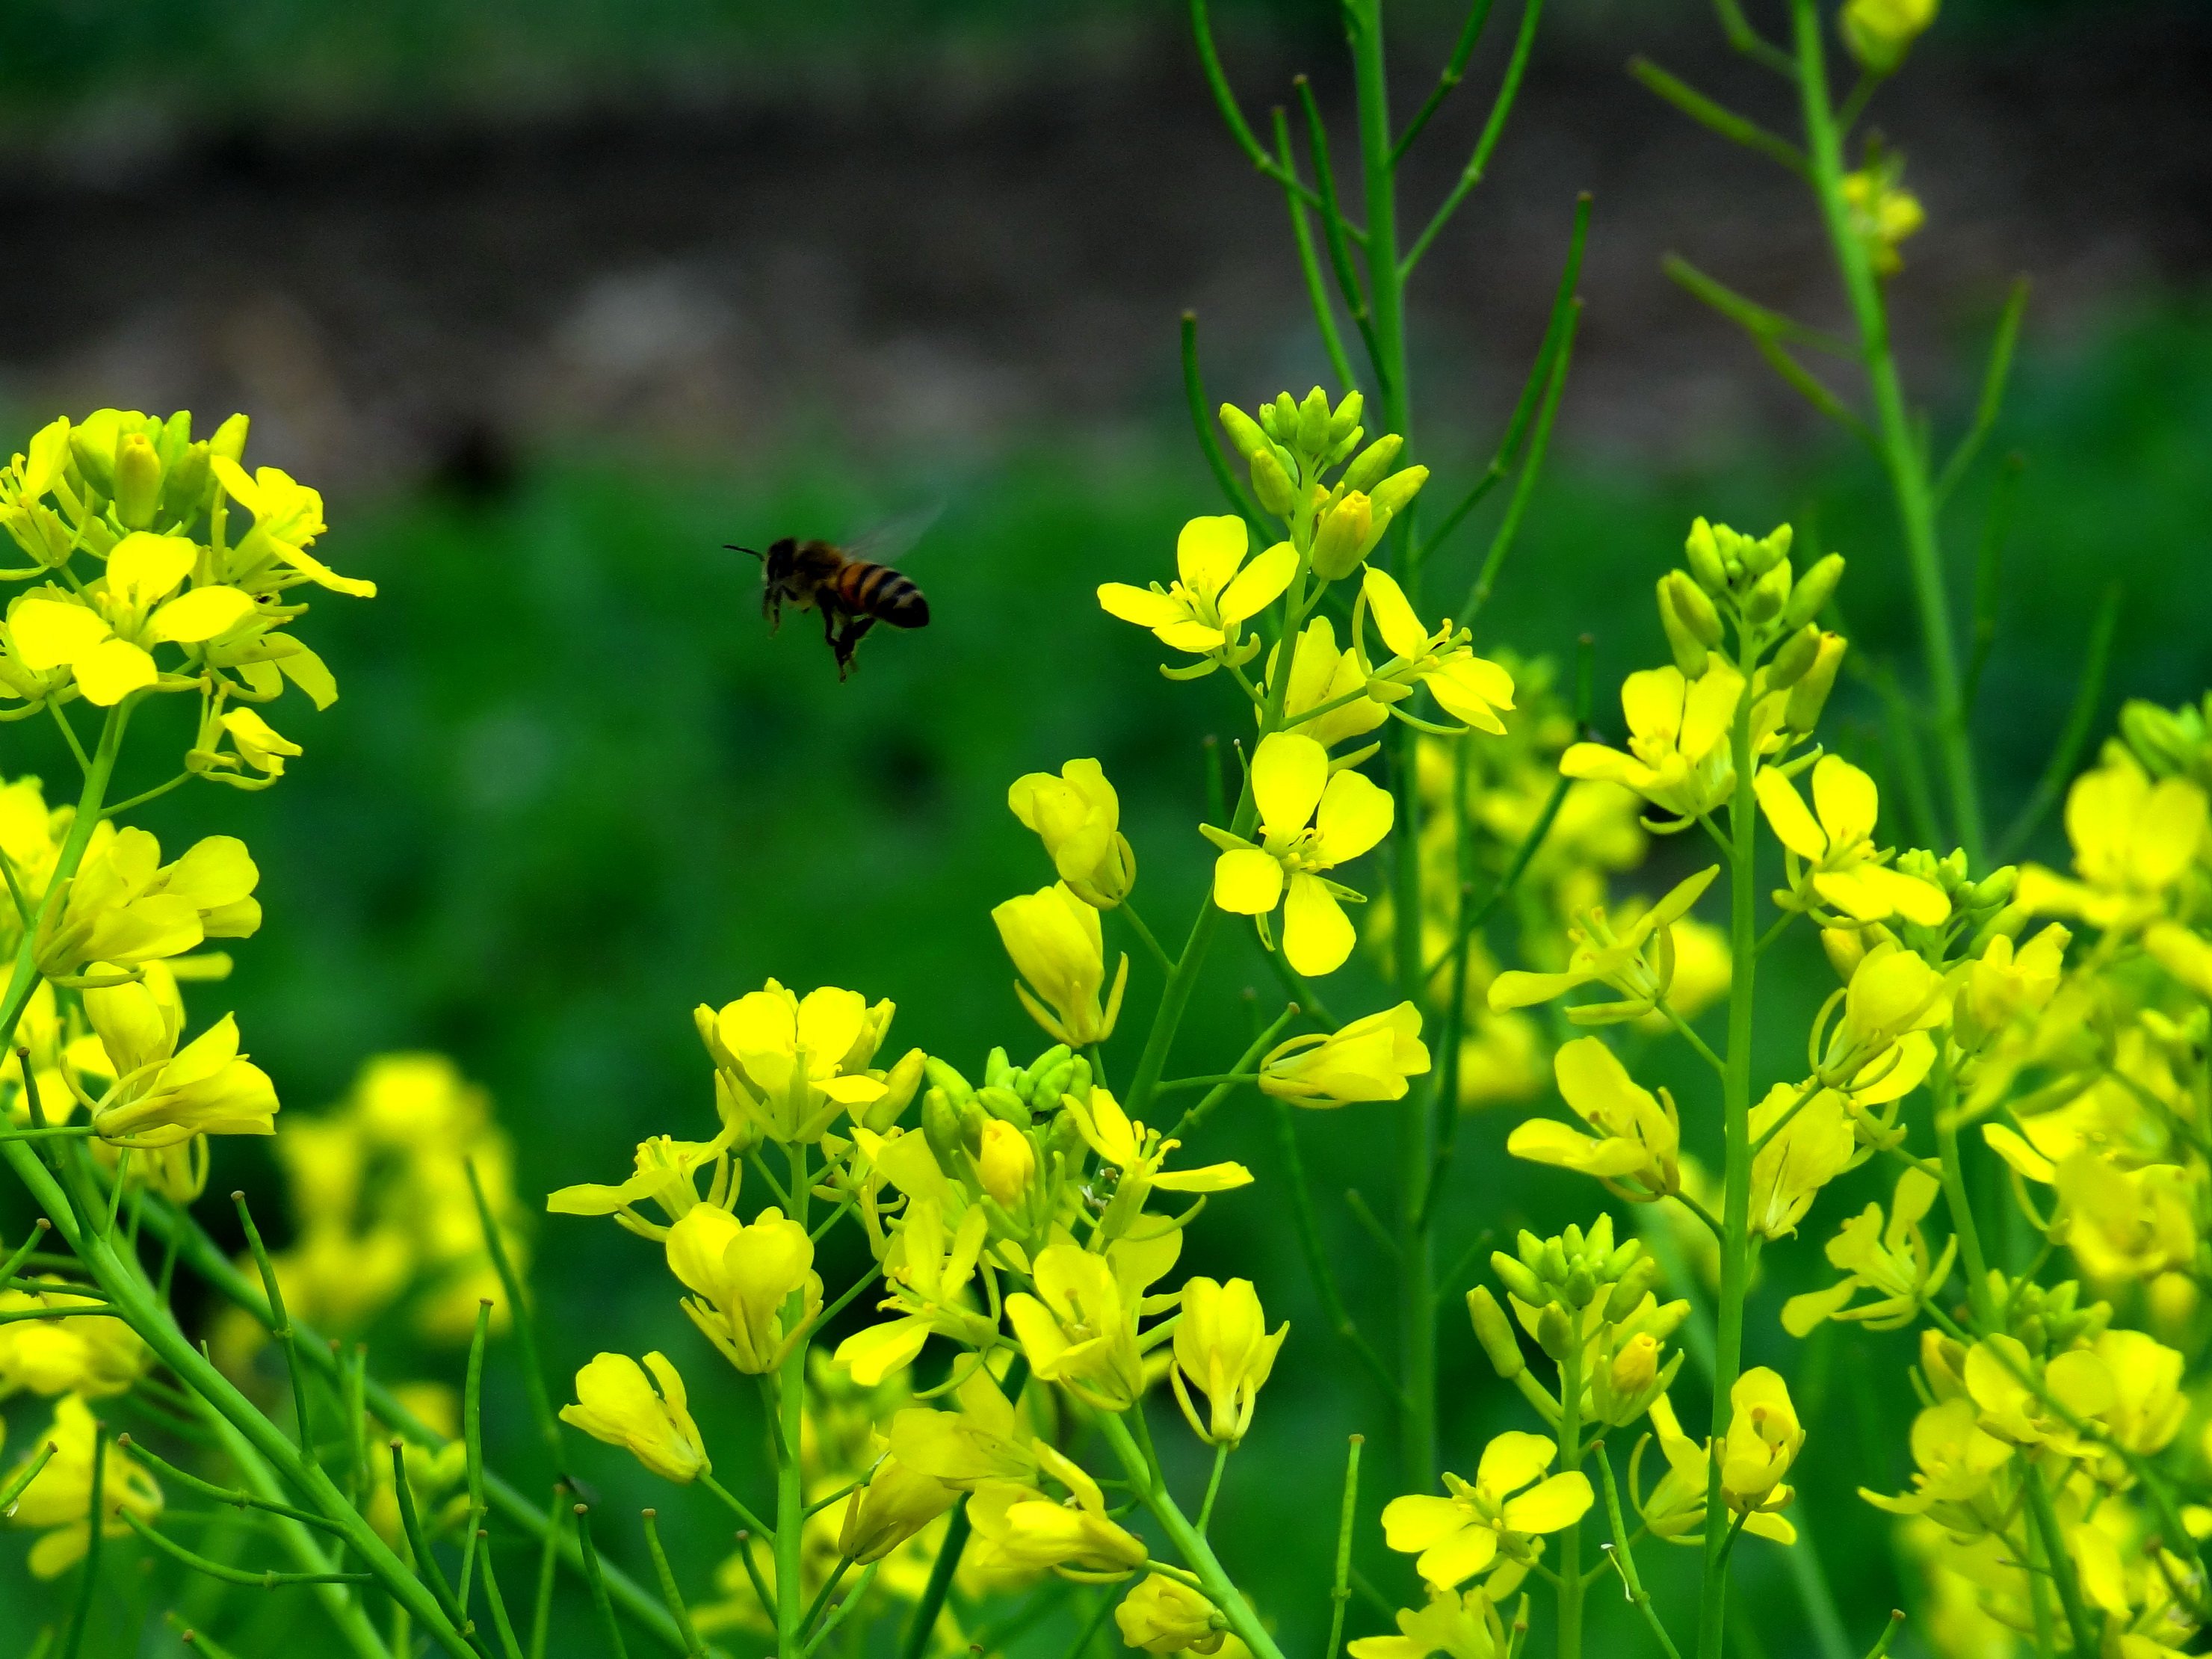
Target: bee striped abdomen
[(878, 590)]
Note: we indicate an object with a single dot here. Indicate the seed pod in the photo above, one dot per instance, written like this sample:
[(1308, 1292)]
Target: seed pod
[(1373, 462), (1795, 656), (1244, 434), (1314, 437), (1813, 590), (1495, 1332), (1271, 482), (1690, 653), (1703, 555), (1810, 695)]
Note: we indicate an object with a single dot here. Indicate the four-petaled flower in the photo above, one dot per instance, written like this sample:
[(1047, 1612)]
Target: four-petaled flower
[(108, 639), (1469, 688), (1216, 593), (1467, 1534), (1844, 867), (1636, 1147), (1678, 755)]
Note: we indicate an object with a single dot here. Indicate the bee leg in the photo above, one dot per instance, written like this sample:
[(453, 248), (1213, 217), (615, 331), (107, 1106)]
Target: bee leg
[(848, 641), (772, 608)]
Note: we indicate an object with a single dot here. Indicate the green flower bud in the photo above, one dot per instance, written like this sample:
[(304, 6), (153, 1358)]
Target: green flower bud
[(1271, 482), (1634, 1286), (1343, 446), (1314, 435), (1280, 418), (1341, 538), (998, 1069), (1004, 1104), (1394, 492), (137, 481), (1704, 554), (1810, 695), (1495, 1332), (229, 439), (1554, 1259), (1879, 32), (1762, 556), (1373, 462), (955, 1087), (1813, 590), (973, 1117), (1795, 657), (1349, 408), (1244, 434), (1518, 1278), (1531, 1248), (1695, 609), (940, 1124), (1997, 887), (1581, 1285), (1690, 653), (184, 486), (1768, 594), (2165, 740), (899, 1086), (1555, 1335)]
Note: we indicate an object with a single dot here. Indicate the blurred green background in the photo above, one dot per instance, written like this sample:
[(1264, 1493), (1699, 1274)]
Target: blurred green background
[(573, 787)]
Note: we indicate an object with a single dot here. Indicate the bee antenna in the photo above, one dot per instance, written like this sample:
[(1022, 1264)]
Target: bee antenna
[(732, 547)]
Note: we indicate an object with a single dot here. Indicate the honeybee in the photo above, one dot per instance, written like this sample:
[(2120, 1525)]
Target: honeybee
[(853, 593)]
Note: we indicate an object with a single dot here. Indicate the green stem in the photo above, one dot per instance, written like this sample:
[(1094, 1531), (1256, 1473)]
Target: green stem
[(1903, 456), (88, 1586), (1340, 1588), (1152, 1490), (1570, 1642), (1213, 1488), (1735, 1107), (1623, 1556), (790, 1477)]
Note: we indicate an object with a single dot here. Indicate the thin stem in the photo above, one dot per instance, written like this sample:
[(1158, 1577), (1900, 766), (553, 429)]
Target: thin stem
[(519, 1319), (1339, 1590), (760, 1529), (1201, 421), (1492, 129), (508, 1646), (1224, 97), (2074, 736), (1716, 118), (1145, 936), (1455, 70), (1324, 313), (923, 1625), (1991, 402), (88, 1586), (267, 1579), (1243, 1072), (1623, 1557), (790, 1477), (598, 1582), (1570, 1636), (1539, 438), (1213, 1488)]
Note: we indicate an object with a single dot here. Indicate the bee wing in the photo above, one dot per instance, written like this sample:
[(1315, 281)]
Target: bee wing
[(889, 542)]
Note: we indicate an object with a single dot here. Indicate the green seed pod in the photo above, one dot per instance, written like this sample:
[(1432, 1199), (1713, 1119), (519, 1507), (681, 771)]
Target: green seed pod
[(1690, 653), (1495, 1332), (1373, 462), (1244, 434), (1695, 609), (137, 481), (1394, 492), (1810, 695), (1813, 590), (229, 439), (1518, 1278), (1703, 555), (1314, 435), (1768, 594), (1795, 656), (1349, 408), (1271, 482)]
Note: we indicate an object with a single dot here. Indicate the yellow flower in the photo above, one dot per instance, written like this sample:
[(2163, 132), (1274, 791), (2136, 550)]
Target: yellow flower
[(1958, 1460), (1079, 817), (1322, 675), (1764, 1436), (1469, 688), (163, 1095), (108, 639), (1639, 963), (2126, 1224), (1880, 1050), (2147, 1406), (1310, 822), (1678, 755), (896, 1503), (1881, 32), (1005, 1162), (2007, 981), (743, 1277), (978, 1443), (91, 1356), (1080, 1328), (1030, 1530), (1812, 1149), (1161, 1615), (667, 1176), (1463, 1626), (59, 1501), (125, 907), (2133, 840), (287, 516), (2010, 1388), (927, 1276), (1844, 869), (616, 1404), (790, 1065), (1637, 1148), (1892, 1261), (1883, 213), (1467, 1534), (1369, 1059), (259, 744), (1054, 940), (1675, 1509), (1136, 1154), (1224, 1348), (1205, 611)]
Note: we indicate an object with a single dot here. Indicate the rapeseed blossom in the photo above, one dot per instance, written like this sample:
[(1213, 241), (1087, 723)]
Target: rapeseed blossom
[(1078, 816), (1224, 1349), (616, 1402), (1841, 867), (743, 1276), (1057, 947), (1490, 1525), (1637, 1144), (1371, 1059), (1215, 594)]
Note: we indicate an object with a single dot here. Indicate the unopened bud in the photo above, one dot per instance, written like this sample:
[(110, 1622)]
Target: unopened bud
[(1369, 468), (1810, 695), (1003, 1104), (1634, 1367), (1768, 593), (1555, 1334), (1881, 32), (943, 1075), (1695, 609), (1340, 541), (1314, 437), (1690, 653), (1518, 1278), (1280, 418), (1762, 554), (1629, 1293), (229, 439), (1795, 657), (1244, 434), (1703, 555), (137, 481), (1005, 1162), (1495, 1332), (1397, 491), (900, 1083), (1813, 590), (1271, 482), (940, 1124), (1581, 1285), (1349, 408), (184, 486), (1845, 948)]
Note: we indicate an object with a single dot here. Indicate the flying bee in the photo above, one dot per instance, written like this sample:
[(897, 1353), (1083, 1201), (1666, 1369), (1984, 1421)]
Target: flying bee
[(851, 592)]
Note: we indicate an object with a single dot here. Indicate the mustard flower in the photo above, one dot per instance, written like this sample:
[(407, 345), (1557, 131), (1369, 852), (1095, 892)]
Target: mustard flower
[(2007, 981), (1224, 1349), (1879, 31), (1764, 1436), (2148, 1407), (2133, 841), (789, 1065), (1463, 1626), (287, 516), (1136, 1153), (58, 1500), (896, 1502), (1638, 962), (125, 907), (1057, 947), (1883, 213), (1814, 1145), (978, 1443), (1079, 817), (743, 1276), (1325, 699), (1005, 1162), (1310, 822), (1467, 1534), (92, 1356), (1675, 1509), (1469, 688), (650, 1419), (1679, 756), (1880, 1050), (927, 1275), (1077, 1537), (1369, 1059), (2126, 1224), (2021, 1399), (1216, 593), (1842, 866), (1636, 1147), (1892, 1259), (259, 744), (666, 1175), (1080, 1328), (1958, 1460), (1163, 1615), (164, 1095), (106, 639)]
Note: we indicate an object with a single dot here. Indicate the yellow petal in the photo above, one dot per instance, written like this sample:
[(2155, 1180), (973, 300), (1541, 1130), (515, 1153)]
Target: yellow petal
[(1547, 1140), (112, 671), (1784, 807), (50, 633), (201, 615), (1246, 882), (1355, 814), (1411, 1524), (1317, 936), (1559, 1501), (1140, 605), (1259, 584), (1288, 773), (1710, 710), (1212, 1178), (1208, 551), (143, 567), (1457, 1557), (1651, 701), (1512, 1459), (1845, 799), (1395, 620)]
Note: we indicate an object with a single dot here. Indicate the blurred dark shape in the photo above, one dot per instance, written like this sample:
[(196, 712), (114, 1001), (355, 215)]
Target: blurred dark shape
[(475, 464), (906, 774)]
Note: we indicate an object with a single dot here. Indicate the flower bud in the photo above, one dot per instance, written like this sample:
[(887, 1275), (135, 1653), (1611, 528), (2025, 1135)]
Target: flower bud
[(900, 1083), (1002, 1105), (1373, 462), (1161, 1616), (229, 439), (1244, 434), (2164, 741), (1555, 1334), (1495, 1332), (1633, 1286), (1795, 656), (1695, 609), (1690, 653), (940, 1124), (1392, 496), (1280, 418), (1271, 482), (1516, 1279), (1761, 555), (1006, 1163), (619, 1403), (1768, 594), (1314, 437), (1581, 1285), (942, 1075), (137, 481), (1703, 555), (1340, 540), (1634, 1367), (184, 486), (1881, 32), (1845, 948), (1813, 590), (1343, 448), (1810, 695), (896, 1504), (1349, 408)]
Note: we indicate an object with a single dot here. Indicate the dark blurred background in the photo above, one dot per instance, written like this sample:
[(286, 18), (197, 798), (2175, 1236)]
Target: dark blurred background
[(552, 301)]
